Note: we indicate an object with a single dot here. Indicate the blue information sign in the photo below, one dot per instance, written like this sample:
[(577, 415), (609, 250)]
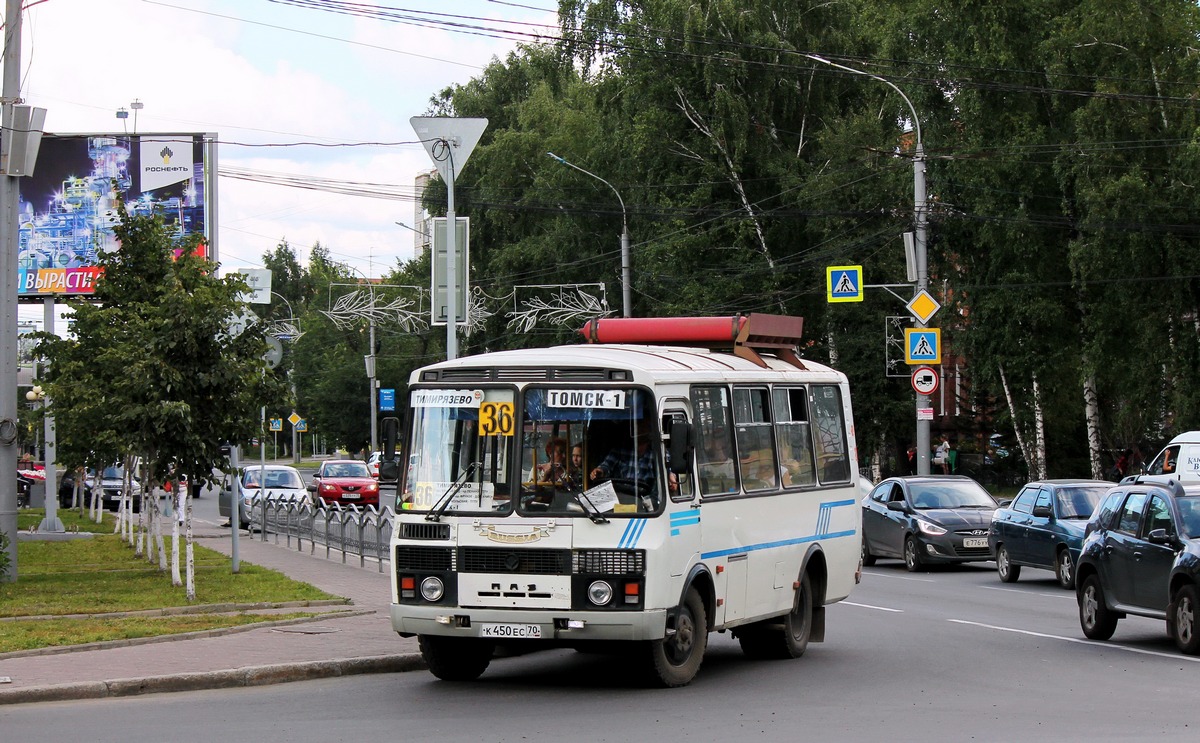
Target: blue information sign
[(387, 399)]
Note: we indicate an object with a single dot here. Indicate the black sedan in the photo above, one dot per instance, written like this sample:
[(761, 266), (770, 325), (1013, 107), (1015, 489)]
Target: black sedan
[(927, 519), (1043, 527), (1141, 556)]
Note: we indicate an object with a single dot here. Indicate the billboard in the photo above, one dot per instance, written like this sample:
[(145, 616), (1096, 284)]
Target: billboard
[(68, 206)]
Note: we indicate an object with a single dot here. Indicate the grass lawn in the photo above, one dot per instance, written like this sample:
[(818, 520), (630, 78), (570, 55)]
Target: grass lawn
[(99, 575)]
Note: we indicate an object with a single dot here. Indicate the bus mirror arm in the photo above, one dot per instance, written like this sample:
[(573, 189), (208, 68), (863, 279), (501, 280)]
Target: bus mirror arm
[(681, 446)]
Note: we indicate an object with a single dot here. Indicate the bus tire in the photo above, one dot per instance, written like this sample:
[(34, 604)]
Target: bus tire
[(455, 658), (675, 659), (783, 637)]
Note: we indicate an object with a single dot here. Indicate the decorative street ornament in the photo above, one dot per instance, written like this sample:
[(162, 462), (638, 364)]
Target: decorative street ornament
[(557, 304), (351, 308)]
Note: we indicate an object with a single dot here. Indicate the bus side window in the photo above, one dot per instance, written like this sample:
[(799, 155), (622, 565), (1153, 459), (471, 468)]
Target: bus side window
[(714, 440), (795, 437), (756, 450), (833, 462)]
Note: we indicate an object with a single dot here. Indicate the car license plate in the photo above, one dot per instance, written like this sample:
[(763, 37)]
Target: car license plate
[(975, 542), (511, 631), (355, 496)]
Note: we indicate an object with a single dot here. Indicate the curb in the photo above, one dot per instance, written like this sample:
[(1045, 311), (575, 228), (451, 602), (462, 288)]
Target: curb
[(227, 679)]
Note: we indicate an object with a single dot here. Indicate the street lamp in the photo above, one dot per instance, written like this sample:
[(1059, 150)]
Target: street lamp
[(626, 301), (50, 523), (921, 221)]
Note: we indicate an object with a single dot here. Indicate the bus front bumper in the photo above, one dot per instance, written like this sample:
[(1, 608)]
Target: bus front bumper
[(507, 624)]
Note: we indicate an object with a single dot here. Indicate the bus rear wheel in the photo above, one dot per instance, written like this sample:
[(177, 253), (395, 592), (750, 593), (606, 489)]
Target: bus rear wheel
[(675, 659), (784, 637), (456, 658)]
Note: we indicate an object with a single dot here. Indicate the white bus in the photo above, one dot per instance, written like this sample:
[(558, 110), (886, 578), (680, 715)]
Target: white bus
[(669, 478)]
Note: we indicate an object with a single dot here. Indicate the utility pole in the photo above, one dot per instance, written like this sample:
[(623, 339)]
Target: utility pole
[(8, 294), (921, 223)]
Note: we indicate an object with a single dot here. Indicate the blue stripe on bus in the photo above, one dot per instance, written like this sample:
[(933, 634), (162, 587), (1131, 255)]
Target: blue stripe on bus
[(684, 518), (824, 512), (772, 545), (633, 532)]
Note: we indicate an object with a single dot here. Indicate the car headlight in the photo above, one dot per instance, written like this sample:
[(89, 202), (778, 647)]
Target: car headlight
[(930, 528)]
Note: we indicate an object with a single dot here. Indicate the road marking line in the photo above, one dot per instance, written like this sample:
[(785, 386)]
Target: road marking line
[(898, 577), (1065, 595), (868, 606), (1096, 643)]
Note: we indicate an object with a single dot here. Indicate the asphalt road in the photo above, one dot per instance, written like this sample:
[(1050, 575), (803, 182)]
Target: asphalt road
[(950, 655)]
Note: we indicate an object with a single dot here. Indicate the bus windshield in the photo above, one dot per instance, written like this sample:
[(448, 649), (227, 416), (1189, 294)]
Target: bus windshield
[(459, 451), (589, 452)]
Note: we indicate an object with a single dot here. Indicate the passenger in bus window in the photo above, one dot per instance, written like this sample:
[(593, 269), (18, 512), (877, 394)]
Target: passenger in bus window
[(716, 466), (574, 477), (554, 469)]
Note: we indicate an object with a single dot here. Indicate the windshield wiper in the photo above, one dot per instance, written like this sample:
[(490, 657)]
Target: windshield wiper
[(443, 502), (592, 512)]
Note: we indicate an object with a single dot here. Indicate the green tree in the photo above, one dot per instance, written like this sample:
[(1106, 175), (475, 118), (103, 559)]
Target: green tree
[(151, 368)]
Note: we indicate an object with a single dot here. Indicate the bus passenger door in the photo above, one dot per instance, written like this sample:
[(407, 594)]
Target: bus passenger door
[(683, 501)]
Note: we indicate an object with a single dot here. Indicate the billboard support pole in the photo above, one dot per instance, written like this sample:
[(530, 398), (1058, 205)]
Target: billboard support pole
[(51, 522), (8, 294)]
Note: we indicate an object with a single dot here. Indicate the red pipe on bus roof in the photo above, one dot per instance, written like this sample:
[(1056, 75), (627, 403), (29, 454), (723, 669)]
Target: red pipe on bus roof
[(699, 331)]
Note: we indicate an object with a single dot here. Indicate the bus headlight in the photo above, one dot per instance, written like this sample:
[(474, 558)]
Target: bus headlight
[(432, 588), (600, 593)]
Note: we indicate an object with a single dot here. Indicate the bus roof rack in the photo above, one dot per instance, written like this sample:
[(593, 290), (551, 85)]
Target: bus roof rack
[(743, 335)]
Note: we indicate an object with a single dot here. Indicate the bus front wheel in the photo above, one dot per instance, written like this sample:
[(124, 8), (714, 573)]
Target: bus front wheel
[(455, 658), (675, 659)]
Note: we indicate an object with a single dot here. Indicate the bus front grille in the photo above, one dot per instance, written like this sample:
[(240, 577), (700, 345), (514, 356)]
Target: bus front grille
[(516, 561)]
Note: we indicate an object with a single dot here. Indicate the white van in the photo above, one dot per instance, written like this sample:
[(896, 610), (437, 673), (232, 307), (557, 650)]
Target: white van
[(1180, 458)]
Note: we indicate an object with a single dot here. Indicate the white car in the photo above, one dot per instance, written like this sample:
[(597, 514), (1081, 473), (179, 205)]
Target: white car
[(275, 482)]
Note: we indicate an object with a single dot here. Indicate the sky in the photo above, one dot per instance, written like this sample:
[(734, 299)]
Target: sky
[(273, 73)]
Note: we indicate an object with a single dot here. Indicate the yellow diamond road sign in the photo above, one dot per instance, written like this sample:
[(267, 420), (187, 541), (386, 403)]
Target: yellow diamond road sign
[(294, 419), (923, 306)]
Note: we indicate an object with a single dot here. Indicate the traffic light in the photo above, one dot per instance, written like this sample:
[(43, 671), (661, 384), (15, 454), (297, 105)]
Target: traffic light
[(389, 470), (378, 346)]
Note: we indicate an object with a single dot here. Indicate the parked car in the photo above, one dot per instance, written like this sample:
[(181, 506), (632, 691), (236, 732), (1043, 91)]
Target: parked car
[(66, 487), (1141, 556), (112, 480), (1043, 527), (927, 519), (282, 484), (345, 481)]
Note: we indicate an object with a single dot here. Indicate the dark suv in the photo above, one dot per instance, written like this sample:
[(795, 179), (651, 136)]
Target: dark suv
[(1141, 555)]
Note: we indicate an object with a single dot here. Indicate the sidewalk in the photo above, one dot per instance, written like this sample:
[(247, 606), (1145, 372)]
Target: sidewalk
[(354, 639)]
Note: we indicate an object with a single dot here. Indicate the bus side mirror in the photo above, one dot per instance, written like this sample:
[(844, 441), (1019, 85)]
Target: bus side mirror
[(389, 470), (681, 446)]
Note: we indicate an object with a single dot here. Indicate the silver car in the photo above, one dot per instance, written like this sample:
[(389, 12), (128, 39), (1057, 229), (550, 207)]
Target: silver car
[(275, 482)]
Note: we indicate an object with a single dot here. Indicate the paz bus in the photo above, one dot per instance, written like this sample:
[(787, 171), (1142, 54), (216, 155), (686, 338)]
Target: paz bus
[(668, 478)]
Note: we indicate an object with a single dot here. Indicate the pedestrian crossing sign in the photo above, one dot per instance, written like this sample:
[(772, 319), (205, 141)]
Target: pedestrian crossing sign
[(844, 283), (922, 346)]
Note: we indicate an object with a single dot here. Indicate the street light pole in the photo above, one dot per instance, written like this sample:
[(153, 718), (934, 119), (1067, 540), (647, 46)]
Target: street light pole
[(920, 224), (626, 299)]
